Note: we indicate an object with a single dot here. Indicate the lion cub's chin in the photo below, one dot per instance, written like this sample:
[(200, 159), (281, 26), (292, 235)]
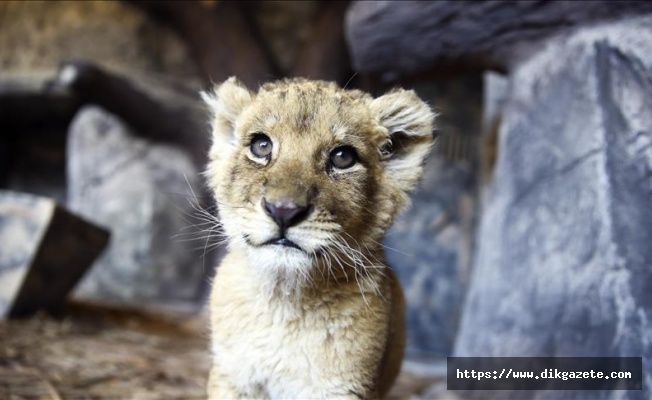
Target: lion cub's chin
[(283, 265)]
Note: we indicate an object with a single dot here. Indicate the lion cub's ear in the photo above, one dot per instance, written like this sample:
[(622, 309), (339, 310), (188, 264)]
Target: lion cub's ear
[(226, 102), (409, 122)]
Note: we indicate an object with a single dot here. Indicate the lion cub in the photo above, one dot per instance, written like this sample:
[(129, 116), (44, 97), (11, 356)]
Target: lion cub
[(308, 177)]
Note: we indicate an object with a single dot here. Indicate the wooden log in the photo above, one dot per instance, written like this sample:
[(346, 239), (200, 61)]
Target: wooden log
[(151, 119), (26, 103), (46, 250), (408, 37), (325, 55), (26, 107), (219, 38)]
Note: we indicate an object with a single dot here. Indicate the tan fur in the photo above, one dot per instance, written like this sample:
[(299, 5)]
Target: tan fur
[(325, 321)]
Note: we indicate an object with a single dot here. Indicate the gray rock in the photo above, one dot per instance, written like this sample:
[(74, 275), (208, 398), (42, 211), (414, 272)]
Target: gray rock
[(398, 38), (144, 193), (45, 250), (563, 266)]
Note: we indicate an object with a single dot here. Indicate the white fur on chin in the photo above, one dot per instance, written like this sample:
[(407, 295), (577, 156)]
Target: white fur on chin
[(284, 270)]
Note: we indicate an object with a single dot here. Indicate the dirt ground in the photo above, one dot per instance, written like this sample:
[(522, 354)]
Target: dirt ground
[(100, 353)]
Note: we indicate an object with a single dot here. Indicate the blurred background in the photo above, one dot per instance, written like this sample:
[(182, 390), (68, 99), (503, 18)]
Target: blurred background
[(529, 235)]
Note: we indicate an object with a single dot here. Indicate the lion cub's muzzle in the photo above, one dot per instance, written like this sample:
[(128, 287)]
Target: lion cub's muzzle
[(286, 213)]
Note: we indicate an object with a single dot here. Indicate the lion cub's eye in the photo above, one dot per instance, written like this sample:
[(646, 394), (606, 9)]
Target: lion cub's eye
[(343, 157), (261, 145)]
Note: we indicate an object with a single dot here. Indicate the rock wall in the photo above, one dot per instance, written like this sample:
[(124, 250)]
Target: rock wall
[(563, 266)]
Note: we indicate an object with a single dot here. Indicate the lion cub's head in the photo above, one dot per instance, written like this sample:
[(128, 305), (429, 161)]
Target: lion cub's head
[(303, 169)]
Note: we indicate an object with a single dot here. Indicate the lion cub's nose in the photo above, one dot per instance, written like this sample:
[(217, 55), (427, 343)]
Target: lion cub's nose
[(285, 213)]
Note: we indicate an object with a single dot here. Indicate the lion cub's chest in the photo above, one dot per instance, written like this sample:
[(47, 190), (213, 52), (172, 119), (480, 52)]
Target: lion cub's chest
[(254, 346), (282, 347), (277, 347)]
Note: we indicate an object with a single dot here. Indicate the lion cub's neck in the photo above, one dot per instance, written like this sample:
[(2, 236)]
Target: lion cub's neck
[(325, 277)]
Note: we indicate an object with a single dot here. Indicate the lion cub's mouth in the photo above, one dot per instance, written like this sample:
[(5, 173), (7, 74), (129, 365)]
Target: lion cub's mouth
[(279, 241), (283, 242)]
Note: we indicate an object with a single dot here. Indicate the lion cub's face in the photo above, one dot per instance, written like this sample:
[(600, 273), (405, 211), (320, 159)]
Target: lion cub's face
[(303, 169)]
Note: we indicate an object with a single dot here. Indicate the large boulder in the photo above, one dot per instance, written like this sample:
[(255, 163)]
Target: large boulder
[(145, 193), (564, 264), (400, 38)]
